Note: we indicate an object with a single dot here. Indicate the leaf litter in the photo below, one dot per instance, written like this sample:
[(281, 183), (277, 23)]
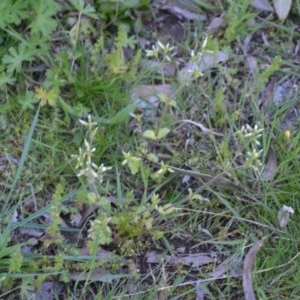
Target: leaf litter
[(270, 168), (248, 268)]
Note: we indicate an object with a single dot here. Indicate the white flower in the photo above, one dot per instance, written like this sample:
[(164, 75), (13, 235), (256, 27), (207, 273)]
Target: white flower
[(160, 48), (254, 154), (153, 52), (88, 123)]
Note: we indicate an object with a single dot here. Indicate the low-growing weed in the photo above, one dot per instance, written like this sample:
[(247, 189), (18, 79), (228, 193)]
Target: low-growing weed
[(120, 180)]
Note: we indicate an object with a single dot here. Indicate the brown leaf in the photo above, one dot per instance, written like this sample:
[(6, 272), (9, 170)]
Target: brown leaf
[(146, 91), (262, 5), (47, 291), (78, 221), (146, 97), (271, 167), (97, 274), (247, 271), (168, 68), (199, 291), (31, 232), (105, 256), (251, 63), (203, 63), (194, 260), (231, 265), (215, 25), (175, 7)]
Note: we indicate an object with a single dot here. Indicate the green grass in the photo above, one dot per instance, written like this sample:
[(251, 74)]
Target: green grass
[(91, 237)]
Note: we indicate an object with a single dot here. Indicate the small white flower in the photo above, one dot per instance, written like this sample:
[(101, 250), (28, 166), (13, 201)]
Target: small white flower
[(195, 73), (82, 122), (88, 123), (103, 169), (255, 154), (153, 52)]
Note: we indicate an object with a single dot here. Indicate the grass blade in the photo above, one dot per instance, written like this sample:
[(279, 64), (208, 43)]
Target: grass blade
[(22, 159)]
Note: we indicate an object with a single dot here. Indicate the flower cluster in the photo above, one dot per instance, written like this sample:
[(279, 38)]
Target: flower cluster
[(252, 138), (86, 167), (254, 133), (162, 49)]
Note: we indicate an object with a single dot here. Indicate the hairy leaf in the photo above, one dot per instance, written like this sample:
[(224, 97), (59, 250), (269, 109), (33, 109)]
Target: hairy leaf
[(16, 57), (15, 12), (44, 23)]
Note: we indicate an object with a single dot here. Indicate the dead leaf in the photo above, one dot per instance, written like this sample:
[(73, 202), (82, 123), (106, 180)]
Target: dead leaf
[(48, 290), (145, 91), (284, 91), (271, 167), (251, 63), (146, 97), (168, 68), (97, 274), (199, 291), (194, 260), (215, 25), (31, 232), (268, 93), (201, 127), (75, 219), (231, 265), (282, 8), (262, 5), (175, 7), (204, 63), (106, 257), (79, 219), (217, 180), (247, 272)]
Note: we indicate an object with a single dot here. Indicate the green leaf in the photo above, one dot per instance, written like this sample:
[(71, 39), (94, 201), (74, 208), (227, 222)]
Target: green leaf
[(167, 209), (122, 115), (44, 23), (16, 57), (162, 132), (150, 134), (39, 46), (15, 12), (83, 9), (6, 79), (164, 99), (156, 135), (28, 101)]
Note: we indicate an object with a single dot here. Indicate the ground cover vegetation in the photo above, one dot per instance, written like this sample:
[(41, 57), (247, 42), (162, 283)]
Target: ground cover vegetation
[(150, 149)]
